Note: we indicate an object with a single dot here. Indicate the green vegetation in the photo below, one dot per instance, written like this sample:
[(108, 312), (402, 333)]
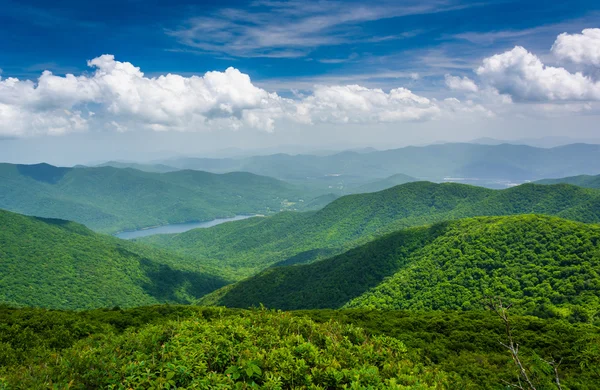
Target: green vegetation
[(546, 266), (109, 199), (250, 350), (586, 181), (187, 346), (244, 248), (59, 264)]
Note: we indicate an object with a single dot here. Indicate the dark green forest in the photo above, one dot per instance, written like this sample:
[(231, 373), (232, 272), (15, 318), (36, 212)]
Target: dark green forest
[(547, 266), (59, 264), (244, 248)]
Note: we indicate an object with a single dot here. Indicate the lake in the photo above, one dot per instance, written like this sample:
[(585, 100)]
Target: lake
[(177, 227)]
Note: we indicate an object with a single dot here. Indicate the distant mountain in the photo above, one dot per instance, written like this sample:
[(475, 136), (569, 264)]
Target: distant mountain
[(380, 185), (157, 168), (109, 199), (542, 142), (586, 181), (544, 265), (486, 163), (59, 264), (243, 248)]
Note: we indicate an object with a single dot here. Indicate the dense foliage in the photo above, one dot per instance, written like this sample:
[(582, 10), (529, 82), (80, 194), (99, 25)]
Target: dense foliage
[(59, 264), (244, 248), (250, 350), (547, 266), (586, 181), (108, 199), (99, 347)]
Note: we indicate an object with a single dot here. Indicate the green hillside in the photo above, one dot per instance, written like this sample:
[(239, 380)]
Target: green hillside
[(244, 248), (59, 264), (586, 181), (546, 266), (108, 199)]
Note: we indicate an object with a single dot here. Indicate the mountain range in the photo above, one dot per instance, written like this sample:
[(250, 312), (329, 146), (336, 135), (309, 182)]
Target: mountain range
[(246, 247), (108, 199)]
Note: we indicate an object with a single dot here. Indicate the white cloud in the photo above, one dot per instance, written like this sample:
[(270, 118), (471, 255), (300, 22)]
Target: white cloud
[(124, 98), (581, 48), (460, 84), (522, 75), (119, 97), (356, 104)]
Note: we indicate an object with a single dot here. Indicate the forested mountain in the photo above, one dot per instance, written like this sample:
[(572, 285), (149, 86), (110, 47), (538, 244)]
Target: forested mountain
[(545, 266), (109, 199), (586, 181), (434, 162), (243, 248), (54, 263)]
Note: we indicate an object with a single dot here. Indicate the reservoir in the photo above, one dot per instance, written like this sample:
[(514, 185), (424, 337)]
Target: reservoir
[(177, 227)]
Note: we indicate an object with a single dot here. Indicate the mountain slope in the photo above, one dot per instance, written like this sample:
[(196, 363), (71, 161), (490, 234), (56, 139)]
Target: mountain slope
[(586, 181), (59, 264), (545, 265), (108, 199), (245, 247)]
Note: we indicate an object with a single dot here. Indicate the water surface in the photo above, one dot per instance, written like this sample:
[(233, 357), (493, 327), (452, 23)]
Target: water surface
[(177, 227)]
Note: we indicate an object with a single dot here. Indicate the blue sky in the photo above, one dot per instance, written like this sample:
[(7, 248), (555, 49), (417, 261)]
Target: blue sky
[(340, 39), (269, 72)]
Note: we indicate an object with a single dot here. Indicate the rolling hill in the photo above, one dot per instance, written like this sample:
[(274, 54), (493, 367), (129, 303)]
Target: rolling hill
[(58, 264), (546, 266), (108, 199), (586, 181), (244, 248)]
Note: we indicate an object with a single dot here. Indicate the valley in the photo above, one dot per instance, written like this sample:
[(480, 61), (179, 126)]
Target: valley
[(177, 228)]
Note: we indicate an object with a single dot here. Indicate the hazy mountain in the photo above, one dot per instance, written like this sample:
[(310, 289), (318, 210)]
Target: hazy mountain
[(586, 181), (487, 164), (157, 168)]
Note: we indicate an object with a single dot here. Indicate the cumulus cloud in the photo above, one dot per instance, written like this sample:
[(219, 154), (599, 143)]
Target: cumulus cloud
[(581, 48), (522, 75), (357, 104), (119, 97), (461, 84)]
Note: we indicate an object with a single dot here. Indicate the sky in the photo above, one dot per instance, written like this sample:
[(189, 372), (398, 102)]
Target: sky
[(141, 80)]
